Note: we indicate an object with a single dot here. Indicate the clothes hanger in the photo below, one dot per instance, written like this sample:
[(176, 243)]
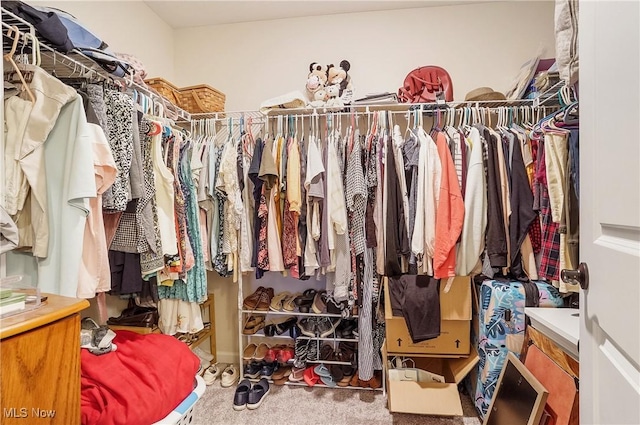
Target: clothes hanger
[(301, 128), (229, 129), (13, 32), (36, 57)]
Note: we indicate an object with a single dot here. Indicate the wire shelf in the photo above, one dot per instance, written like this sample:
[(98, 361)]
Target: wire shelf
[(329, 339), (295, 313), (74, 64)]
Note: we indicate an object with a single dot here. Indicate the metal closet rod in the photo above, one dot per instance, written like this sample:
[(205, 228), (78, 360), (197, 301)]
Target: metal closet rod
[(401, 108), (547, 97)]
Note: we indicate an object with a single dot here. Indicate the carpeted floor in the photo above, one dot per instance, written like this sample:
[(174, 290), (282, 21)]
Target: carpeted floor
[(295, 405)]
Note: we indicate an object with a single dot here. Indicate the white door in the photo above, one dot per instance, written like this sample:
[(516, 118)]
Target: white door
[(610, 211)]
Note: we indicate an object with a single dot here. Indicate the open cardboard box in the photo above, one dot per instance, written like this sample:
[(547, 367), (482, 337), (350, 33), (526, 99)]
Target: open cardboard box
[(430, 398), (455, 316)]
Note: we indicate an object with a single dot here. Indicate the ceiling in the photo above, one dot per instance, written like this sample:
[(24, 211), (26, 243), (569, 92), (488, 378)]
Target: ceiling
[(182, 14)]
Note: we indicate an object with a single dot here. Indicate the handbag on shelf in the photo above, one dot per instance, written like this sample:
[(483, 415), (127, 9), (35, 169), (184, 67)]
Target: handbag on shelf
[(426, 84)]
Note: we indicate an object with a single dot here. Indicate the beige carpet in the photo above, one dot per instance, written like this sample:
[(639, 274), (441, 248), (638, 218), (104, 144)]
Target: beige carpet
[(296, 405)]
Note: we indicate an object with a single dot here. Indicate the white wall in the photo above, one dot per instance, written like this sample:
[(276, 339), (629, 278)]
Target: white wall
[(479, 44), (127, 27)]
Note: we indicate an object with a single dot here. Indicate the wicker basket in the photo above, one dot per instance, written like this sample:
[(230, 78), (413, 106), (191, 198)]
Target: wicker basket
[(201, 99), (164, 88)]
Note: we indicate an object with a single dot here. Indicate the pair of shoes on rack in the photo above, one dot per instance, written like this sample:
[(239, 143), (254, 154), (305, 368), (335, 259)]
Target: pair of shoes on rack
[(310, 376), (305, 350), (261, 369), (304, 301), (253, 323), (250, 396), (374, 383), (279, 353), (325, 375), (260, 300), (347, 329), (297, 374), (319, 303), (337, 307), (318, 326), (281, 376), (280, 327), (255, 352), (284, 301)]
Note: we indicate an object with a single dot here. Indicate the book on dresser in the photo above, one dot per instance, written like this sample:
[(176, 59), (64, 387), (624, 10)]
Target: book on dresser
[(11, 302)]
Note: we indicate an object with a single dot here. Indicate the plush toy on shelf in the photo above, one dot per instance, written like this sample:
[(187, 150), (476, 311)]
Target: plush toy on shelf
[(340, 75), (316, 81), (319, 98), (333, 94), (329, 85)]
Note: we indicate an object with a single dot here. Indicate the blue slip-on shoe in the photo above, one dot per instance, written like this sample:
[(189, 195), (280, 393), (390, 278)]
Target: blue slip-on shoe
[(257, 394), (241, 396)]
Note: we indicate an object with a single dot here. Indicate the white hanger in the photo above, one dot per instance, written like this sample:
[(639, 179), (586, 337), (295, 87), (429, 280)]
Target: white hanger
[(36, 58)]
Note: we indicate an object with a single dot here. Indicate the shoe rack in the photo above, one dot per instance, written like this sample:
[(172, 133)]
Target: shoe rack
[(260, 337)]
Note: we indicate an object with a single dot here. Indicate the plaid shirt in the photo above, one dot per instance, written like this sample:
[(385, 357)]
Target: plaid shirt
[(535, 234), (550, 258)]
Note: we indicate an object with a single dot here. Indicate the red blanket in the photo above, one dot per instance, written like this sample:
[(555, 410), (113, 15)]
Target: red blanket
[(139, 383)]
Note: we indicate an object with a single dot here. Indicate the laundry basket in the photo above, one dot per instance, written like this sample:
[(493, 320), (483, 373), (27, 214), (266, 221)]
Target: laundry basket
[(183, 414)]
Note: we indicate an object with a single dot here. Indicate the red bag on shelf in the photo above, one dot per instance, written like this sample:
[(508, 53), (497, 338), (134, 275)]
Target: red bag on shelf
[(424, 84)]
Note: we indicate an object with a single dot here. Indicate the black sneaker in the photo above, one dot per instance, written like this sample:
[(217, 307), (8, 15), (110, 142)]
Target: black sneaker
[(308, 326), (253, 370), (268, 368), (327, 326)]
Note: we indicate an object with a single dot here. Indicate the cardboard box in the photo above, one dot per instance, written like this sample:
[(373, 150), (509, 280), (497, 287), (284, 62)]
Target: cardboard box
[(431, 398), (455, 315)]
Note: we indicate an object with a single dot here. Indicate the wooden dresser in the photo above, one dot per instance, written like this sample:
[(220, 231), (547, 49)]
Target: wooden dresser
[(40, 364)]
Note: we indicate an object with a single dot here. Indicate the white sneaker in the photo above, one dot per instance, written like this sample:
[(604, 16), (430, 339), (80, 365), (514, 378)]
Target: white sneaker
[(211, 374), (229, 377), (203, 354)]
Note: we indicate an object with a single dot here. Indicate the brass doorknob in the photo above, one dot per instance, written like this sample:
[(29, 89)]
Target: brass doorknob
[(579, 276)]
